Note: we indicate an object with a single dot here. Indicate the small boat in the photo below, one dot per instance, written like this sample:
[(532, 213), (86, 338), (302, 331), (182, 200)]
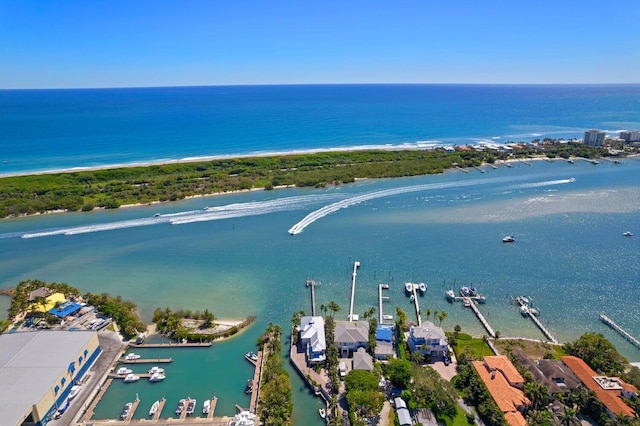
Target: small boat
[(131, 356), (385, 286), (130, 378), (251, 356), (627, 234), (74, 391), (508, 239), (570, 161), (524, 310), (249, 387), (322, 412), (124, 371), (156, 377), (206, 406), (156, 215), (408, 287), (422, 287), (191, 406), (451, 296), (387, 317), (412, 298), (125, 410), (156, 369), (481, 299), (243, 418), (154, 408), (180, 407)]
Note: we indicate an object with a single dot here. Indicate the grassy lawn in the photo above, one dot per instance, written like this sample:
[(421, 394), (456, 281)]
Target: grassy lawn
[(459, 420), (536, 350), (477, 348)]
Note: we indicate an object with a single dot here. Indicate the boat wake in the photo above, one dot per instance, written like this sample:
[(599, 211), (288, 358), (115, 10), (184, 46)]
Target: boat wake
[(228, 211), (541, 184)]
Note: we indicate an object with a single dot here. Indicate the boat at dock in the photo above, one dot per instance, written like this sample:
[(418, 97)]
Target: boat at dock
[(322, 412), (130, 378), (412, 298), (450, 294), (132, 356), (154, 408), (252, 356), (156, 369), (206, 406), (249, 386), (157, 377), (124, 371), (125, 410), (243, 418), (508, 239), (408, 287), (180, 407), (191, 406), (422, 287)]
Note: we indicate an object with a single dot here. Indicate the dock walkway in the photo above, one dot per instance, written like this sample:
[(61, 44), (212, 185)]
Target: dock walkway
[(133, 409), (380, 299), (146, 361), (536, 321), (356, 264), (255, 391), (212, 407), (171, 345), (312, 284), (417, 305), (156, 416), (97, 399), (635, 342), (472, 304)]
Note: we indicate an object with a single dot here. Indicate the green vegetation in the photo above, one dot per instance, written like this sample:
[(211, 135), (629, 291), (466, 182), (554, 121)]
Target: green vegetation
[(276, 405), (472, 347), (598, 352), (201, 325), (122, 311), (111, 188), (363, 396), (20, 298)]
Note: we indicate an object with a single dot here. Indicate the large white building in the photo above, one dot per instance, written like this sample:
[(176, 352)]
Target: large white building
[(630, 136), (37, 371), (428, 339), (313, 339), (594, 137)]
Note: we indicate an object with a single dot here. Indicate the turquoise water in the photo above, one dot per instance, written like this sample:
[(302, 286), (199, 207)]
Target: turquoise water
[(238, 260), (60, 129)]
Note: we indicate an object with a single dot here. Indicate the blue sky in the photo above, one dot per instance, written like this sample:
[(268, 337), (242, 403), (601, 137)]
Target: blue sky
[(120, 43)]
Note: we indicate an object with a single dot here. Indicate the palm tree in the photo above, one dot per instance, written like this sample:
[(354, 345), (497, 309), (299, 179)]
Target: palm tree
[(333, 307), (323, 309), (536, 393), (417, 357), (428, 313), (569, 417), (443, 315), (370, 313)]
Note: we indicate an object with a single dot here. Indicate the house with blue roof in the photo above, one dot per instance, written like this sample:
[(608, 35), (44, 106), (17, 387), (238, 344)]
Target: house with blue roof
[(384, 342)]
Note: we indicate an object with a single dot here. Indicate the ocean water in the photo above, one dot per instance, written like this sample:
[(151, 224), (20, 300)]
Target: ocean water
[(237, 258), (62, 129)]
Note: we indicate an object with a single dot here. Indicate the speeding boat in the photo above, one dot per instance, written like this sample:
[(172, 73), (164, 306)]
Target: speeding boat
[(156, 369), (156, 377), (124, 371), (154, 408), (130, 378), (508, 239)]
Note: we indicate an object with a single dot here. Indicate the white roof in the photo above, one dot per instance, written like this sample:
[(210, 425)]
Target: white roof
[(312, 329), (30, 363)]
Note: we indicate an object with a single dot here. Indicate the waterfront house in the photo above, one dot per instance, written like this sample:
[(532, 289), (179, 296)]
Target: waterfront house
[(351, 335), (505, 386), (609, 390), (312, 338), (384, 341), (428, 339), (362, 360), (554, 374)]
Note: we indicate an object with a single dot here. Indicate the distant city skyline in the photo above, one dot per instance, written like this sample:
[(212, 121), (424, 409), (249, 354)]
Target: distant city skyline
[(79, 44)]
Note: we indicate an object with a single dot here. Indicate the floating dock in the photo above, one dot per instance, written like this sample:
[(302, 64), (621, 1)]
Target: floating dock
[(635, 342), (356, 265), (146, 361), (472, 304), (536, 321)]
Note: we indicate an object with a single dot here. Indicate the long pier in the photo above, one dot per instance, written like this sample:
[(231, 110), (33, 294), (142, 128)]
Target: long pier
[(171, 345), (97, 399), (472, 304), (417, 305), (312, 284), (255, 391), (156, 415), (635, 342), (380, 288), (356, 264), (536, 321), (146, 360)]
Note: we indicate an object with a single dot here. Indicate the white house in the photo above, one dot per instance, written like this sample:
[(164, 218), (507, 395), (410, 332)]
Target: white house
[(313, 339), (428, 339)]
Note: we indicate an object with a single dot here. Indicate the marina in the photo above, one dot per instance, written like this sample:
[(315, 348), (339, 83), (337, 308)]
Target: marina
[(605, 319), (146, 361), (527, 310)]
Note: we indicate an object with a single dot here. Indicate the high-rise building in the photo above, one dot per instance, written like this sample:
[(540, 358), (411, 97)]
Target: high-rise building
[(594, 137), (630, 136)]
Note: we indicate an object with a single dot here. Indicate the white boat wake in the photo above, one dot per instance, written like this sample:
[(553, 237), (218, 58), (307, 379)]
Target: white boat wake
[(343, 204)]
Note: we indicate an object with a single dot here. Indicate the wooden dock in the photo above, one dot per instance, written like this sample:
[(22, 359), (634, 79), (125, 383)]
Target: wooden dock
[(472, 304), (536, 321), (146, 361), (212, 408), (312, 284), (133, 409), (122, 376), (156, 416), (380, 299), (356, 264), (248, 358), (417, 305), (635, 342), (255, 391), (171, 345), (96, 400)]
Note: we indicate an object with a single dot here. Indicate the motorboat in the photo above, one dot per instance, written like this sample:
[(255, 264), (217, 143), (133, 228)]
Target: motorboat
[(124, 371), (125, 410), (508, 239), (387, 317), (412, 298), (131, 356), (422, 287), (74, 391), (322, 412), (156, 369), (249, 387), (451, 296), (156, 377), (130, 378), (408, 287), (191, 406), (156, 215), (180, 407), (481, 299), (252, 356), (206, 406), (524, 310), (154, 408), (627, 234), (243, 418)]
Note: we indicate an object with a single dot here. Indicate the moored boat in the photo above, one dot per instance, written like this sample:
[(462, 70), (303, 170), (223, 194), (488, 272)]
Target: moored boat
[(132, 356), (322, 412), (191, 406), (252, 356), (156, 377), (125, 411), (154, 408), (243, 418), (451, 296), (412, 298), (130, 378), (124, 371), (408, 287), (249, 386), (422, 287), (156, 369), (206, 407), (180, 407)]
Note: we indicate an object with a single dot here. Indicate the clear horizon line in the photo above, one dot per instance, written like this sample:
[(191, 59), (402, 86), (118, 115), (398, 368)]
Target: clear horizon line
[(312, 84)]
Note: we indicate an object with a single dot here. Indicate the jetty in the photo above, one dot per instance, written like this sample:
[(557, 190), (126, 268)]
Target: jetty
[(183, 415), (635, 342), (156, 415), (97, 399), (255, 390), (356, 265), (171, 345), (468, 301), (529, 312), (146, 361), (461, 169), (417, 305), (212, 407), (380, 299), (132, 410), (312, 284), (478, 169)]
